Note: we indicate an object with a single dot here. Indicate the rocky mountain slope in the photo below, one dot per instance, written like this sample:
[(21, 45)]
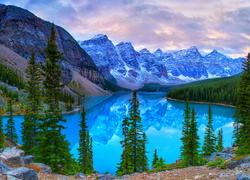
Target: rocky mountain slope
[(132, 69), (24, 33)]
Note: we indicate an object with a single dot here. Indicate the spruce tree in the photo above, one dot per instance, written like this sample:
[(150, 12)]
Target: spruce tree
[(185, 131), (193, 141), (242, 113), (2, 137), (209, 145), (53, 148), (133, 158), (33, 106), (85, 147), (155, 158), (10, 126), (219, 145)]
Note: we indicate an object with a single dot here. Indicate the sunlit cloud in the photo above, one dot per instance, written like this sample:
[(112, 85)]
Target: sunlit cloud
[(169, 25)]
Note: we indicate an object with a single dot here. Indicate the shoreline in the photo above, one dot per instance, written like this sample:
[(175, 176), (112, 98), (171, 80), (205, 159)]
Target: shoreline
[(77, 109), (199, 102)]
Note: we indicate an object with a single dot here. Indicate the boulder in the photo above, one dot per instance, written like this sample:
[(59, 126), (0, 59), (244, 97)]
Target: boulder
[(12, 157), (11, 178), (81, 176), (243, 177), (40, 167), (221, 155), (233, 164), (23, 173), (107, 176), (4, 167), (28, 159)]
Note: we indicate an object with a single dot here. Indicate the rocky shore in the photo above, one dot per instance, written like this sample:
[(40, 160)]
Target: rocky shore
[(14, 165)]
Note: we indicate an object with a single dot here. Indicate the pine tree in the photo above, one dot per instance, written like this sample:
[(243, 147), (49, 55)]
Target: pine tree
[(219, 145), (160, 164), (185, 131), (10, 126), (155, 158), (85, 147), (133, 158), (242, 113), (209, 138), (193, 141), (53, 148), (2, 137), (33, 106)]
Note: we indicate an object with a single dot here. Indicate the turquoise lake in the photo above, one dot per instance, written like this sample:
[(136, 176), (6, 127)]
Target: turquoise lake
[(161, 119)]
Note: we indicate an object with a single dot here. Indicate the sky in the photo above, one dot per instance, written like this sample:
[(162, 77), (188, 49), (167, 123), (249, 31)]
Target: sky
[(170, 25)]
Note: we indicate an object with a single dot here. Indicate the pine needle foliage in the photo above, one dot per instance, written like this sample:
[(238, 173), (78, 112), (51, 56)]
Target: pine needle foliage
[(53, 148), (209, 145), (10, 126), (133, 158), (242, 113), (219, 145), (34, 106), (2, 136), (85, 147)]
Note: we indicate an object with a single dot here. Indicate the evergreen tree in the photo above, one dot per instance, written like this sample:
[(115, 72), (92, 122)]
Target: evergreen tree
[(33, 106), (133, 158), (193, 141), (185, 131), (10, 126), (53, 148), (219, 145), (2, 137), (85, 147), (242, 113), (160, 164), (155, 158), (209, 138)]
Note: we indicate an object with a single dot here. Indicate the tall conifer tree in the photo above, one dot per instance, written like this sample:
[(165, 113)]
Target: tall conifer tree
[(155, 158), (10, 126), (53, 148), (219, 145), (209, 145), (33, 106), (2, 137), (185, 131), (242, 113), (133, 158), (85, 147)]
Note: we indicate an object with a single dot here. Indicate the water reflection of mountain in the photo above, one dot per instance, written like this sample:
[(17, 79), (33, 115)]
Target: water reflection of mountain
[(104, 118)]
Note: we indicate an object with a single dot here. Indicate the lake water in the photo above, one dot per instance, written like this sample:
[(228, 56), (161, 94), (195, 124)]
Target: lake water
[(161, 119)]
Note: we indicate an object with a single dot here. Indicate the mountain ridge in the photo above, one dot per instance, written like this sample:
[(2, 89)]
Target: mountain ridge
[(132, 69)]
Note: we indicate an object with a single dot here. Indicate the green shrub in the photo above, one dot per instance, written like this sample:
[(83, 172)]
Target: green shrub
[(215, 163)]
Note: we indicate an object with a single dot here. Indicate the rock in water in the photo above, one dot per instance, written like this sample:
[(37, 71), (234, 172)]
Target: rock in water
[(23, 173)]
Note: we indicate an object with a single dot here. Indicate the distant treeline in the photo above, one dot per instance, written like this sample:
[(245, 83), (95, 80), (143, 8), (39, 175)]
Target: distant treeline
[(219, 90), (11, 77)]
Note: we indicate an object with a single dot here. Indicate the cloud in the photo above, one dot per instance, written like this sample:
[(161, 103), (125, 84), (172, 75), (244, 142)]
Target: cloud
[(170, 25)]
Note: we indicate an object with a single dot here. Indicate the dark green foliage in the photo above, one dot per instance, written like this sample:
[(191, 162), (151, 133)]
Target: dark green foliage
[(112, 86), (133, 158), (209, 138), (221, 90), (9, 93), (242, 113), (160, 164), (85, 147), (2, 137), (34, 106), (215, 163), (66, 97), (11, 77), (219, 145), (185, 131), (190, 138), (155, 158), (53, 148), (10, 126)]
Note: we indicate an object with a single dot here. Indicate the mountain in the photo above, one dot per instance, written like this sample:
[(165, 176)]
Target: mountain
[(23, 33), (132, 69)]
